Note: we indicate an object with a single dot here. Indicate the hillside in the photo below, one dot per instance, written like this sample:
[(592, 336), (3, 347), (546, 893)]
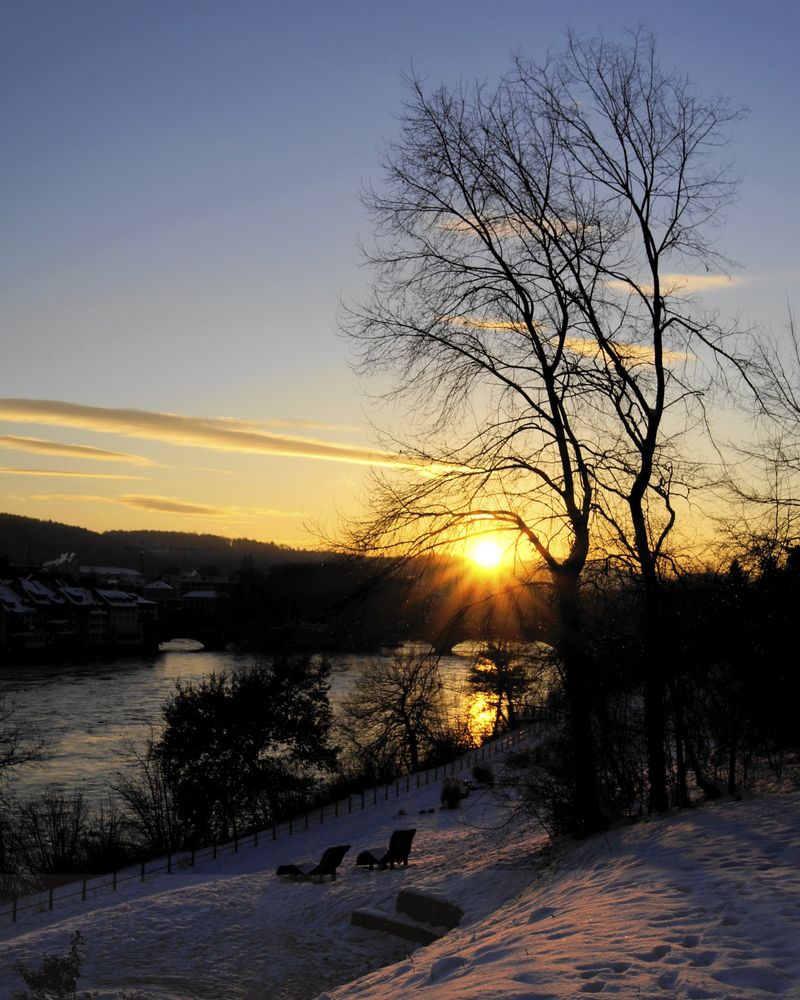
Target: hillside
[(26, 541), (699, 904)]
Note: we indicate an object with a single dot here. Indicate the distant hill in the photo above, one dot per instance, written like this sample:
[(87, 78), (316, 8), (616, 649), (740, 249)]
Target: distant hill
[(27, 541)]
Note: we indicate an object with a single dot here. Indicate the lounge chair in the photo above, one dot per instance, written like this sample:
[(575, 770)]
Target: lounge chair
[(396, 853), (327, 865)]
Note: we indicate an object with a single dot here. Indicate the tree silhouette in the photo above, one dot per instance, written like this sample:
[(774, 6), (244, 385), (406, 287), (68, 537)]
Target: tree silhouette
[(544, 360)]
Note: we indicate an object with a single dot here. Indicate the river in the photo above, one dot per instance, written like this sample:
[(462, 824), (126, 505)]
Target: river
[(92, 713)]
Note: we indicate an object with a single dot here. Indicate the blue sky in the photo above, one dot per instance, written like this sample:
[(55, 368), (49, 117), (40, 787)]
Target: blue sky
[(180, 216)]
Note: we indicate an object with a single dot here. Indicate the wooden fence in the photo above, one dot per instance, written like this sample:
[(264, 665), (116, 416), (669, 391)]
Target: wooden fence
[(46, 899)]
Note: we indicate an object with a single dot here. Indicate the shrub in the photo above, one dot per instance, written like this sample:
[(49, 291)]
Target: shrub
[(484, 775), (453, 791), (57, 977)]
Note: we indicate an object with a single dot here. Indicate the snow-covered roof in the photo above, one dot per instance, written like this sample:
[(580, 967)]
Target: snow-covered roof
[(40, 593), (10, 601), (79, 596), (118, 598)]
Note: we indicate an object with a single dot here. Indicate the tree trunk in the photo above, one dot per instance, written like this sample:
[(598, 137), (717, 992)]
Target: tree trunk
[(589, 812), (655, 723)]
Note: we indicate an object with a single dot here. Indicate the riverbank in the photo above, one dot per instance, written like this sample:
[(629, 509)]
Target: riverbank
[(92, 712), (699, 904)]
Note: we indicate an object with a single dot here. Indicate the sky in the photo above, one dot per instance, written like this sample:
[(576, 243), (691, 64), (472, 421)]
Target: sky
[(180, 216)]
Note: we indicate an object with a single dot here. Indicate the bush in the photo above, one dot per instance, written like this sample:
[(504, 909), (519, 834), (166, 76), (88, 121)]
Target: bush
[(453, 791), (484, 775), (238, 750), (50, 832), (57, 977)]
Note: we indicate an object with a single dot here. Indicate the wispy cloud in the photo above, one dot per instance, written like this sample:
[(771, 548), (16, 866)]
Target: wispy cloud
[(588, 348), (6, 470), (170, 505), (478, 323), (677, 284), (196, 432), (175, 505), (583, 346), (514, 225), (39, 446)]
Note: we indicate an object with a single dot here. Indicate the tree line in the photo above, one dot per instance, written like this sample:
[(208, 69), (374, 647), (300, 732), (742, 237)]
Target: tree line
[(233, 753)]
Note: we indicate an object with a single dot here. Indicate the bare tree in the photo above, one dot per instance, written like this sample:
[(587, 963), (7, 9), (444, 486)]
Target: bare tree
[(149, 801), (764, 476), (394, 715), (17, 746), (544, 357), (507, 674)]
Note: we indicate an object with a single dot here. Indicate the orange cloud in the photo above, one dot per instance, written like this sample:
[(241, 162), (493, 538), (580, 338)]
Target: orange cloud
[(6, 470), (584, 346), (41, 447), (195, 432), (677, 284), (170, 505)]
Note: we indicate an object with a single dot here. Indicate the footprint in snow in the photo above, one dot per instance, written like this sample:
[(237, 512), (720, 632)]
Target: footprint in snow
[(541, 914), (702, 959), (654, 954), (446, 966)]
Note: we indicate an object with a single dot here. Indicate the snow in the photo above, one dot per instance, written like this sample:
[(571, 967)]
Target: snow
[(699, 904)]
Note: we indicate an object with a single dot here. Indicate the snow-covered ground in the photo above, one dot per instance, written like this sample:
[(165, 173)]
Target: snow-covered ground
[(700, 904)]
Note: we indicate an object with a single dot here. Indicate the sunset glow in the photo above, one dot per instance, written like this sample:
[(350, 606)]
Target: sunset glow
[(486, 553), (182, 337)]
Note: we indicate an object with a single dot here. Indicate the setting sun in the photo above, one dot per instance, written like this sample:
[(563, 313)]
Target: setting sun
[(486, 553)]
